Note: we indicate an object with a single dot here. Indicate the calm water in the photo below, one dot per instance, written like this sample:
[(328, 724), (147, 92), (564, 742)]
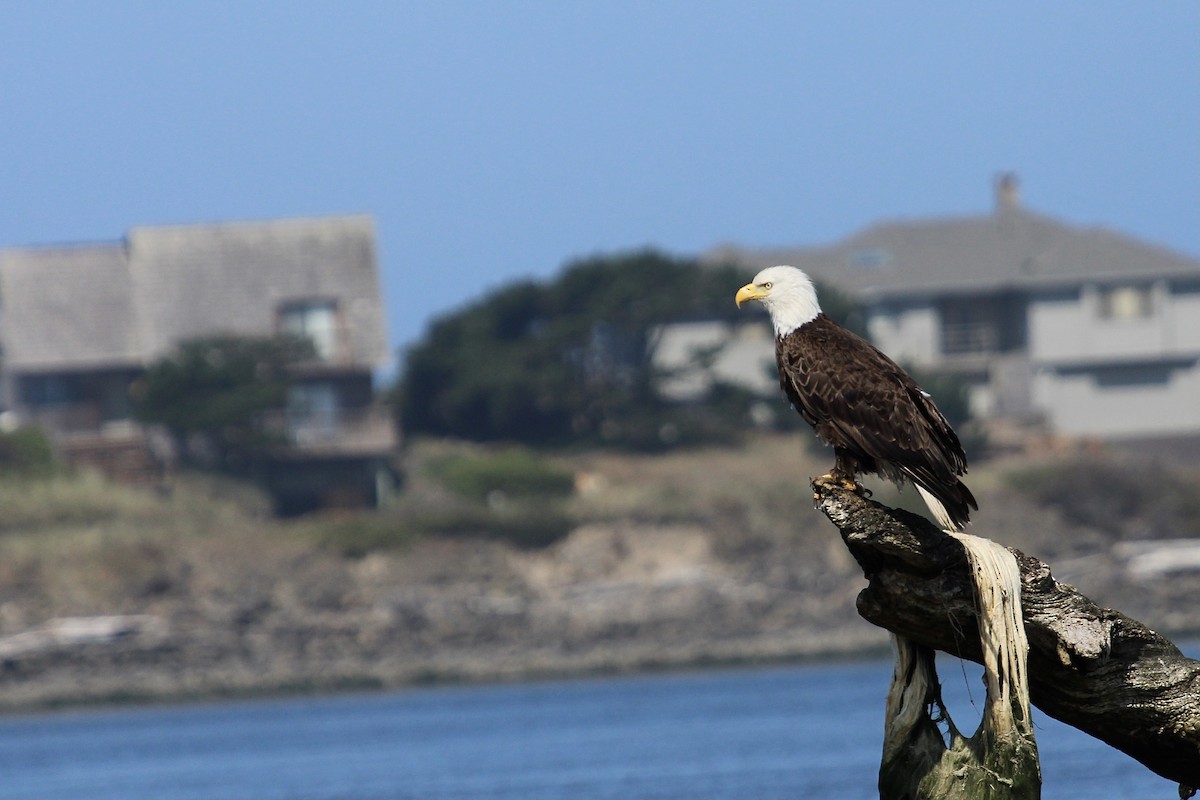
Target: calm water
[(796, 732)]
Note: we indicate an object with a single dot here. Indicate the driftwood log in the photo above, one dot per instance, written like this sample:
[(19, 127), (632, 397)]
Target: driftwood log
[(1000, 760), (1093, 668)]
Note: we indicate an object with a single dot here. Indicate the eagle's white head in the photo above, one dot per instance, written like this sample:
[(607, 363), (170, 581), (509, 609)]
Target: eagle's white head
[(788, 295)]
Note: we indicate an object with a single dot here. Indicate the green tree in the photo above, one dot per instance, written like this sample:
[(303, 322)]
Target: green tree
[(569, 360), (212, 394)]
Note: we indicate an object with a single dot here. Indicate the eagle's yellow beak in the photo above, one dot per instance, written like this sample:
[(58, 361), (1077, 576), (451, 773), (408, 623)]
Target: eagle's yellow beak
[(747, 293)]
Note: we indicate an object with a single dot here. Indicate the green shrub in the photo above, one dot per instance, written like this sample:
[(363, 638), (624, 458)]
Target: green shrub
[(219, 390), (27, 452), (517, 473), (354, 536), (523, 525)]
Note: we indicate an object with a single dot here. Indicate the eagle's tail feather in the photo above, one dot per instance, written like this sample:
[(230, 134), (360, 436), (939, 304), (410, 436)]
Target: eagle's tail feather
[(947, 497), (938, 508), (954, 517)]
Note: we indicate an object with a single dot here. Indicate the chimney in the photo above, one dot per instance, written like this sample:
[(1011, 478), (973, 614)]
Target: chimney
[(1008, 193)]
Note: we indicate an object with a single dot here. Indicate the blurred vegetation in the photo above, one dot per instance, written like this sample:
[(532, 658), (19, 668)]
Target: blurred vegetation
[(63, 499), (211, 394), (569, 361), (357, 534), (525, 525), (510, 493), (1143, 501), (516, 473), (27, 453)]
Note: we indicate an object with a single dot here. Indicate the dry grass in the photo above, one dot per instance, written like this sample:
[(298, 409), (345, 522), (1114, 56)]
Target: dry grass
[(66, 501), (78, 545), (703, 482)]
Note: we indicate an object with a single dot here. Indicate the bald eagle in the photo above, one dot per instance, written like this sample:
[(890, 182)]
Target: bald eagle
[(857, 399)]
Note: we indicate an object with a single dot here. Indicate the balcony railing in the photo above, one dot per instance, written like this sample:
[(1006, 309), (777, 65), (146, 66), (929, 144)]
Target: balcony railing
[(335, 432), (969, 338), (340, 431)]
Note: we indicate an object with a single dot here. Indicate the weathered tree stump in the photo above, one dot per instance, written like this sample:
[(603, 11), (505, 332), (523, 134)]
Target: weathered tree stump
[(1093, 668)]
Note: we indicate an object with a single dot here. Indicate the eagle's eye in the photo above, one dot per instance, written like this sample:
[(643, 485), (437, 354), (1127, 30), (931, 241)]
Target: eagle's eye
[(767, 285)]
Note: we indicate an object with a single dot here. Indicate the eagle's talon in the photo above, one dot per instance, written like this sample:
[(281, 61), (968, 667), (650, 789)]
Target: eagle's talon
[(847, 482), (842, 482)]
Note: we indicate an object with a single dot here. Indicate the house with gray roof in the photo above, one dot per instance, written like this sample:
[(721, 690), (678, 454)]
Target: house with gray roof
[(1084, 330), (80, 323)]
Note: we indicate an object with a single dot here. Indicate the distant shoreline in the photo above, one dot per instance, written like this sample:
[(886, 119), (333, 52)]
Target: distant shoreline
[(456, 670), (371, 681)]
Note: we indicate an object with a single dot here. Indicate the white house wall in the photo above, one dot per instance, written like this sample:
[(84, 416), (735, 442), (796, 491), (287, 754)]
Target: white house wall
[(743, 355), (1183, 320), (1068, 327), (1080, 402), (909, 334), (1127, 338), (1057, 327), (1116, 377)]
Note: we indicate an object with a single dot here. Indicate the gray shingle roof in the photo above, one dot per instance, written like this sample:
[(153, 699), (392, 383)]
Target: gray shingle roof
[(66, 308), (232, 277), (1010, 249), (132, 302)]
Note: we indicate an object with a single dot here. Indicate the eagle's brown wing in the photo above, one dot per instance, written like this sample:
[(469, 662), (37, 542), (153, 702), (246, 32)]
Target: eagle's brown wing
[(861, 401)]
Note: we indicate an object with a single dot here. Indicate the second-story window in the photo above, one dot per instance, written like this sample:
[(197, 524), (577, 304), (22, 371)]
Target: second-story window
[(969, 328), (315, 320), (1126, 302), (981, 325)]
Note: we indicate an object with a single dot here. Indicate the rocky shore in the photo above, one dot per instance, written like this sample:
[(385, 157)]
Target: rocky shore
[(609, 598), (103, 615)]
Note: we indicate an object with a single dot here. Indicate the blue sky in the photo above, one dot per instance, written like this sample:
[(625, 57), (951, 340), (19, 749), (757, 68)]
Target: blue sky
[(495, 140)]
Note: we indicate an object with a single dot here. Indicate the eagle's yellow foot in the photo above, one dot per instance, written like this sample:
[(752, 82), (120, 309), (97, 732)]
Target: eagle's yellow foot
[(842, 482)]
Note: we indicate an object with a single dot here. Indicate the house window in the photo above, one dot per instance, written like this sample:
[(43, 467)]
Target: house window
[(969, 328), (313, 412), (982, 324), (49, 390), (315, 320), (1125, 302)]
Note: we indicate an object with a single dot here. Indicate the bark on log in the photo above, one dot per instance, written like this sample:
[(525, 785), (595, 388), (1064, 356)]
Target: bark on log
[(1093, 668)]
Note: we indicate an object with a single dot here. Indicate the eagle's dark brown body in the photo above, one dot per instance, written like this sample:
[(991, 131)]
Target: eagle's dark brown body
[(872, 412)]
